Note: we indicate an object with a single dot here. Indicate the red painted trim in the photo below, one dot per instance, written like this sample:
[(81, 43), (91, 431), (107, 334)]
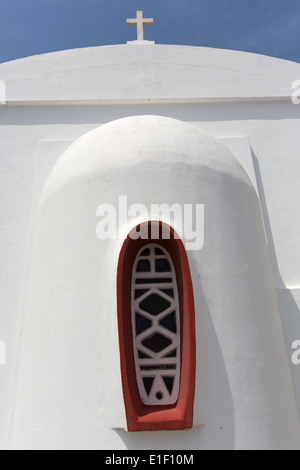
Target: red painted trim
[(141, 417)]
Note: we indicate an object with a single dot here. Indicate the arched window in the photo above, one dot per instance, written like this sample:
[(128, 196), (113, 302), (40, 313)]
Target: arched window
[(156, 326), (156, 330)]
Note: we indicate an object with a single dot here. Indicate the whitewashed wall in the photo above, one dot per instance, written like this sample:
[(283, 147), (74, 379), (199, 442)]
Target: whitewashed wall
[(228, 94)]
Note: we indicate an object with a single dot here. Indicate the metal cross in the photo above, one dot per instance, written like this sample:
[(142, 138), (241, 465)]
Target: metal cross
[(140, 21)]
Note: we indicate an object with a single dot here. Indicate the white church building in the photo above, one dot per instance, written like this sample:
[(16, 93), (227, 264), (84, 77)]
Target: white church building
[(150, 250)]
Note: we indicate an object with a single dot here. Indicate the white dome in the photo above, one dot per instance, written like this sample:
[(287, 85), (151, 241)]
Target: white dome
[(141, 140), (69, 392)]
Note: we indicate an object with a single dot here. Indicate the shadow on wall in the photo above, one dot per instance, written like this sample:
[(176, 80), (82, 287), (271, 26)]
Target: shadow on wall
[(213, 415), (290, 319), (289, 310)]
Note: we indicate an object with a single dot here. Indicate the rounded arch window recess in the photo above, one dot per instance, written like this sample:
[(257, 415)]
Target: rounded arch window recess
[(156, 321)]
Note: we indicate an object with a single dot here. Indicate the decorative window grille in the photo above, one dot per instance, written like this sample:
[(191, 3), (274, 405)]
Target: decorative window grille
[(156, 321), (156, 326)]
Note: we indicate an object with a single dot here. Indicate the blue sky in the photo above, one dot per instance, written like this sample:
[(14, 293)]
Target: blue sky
[(29, 27)]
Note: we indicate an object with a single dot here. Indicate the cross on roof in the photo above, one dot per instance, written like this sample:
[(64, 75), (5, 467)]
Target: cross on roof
[(140, 21)]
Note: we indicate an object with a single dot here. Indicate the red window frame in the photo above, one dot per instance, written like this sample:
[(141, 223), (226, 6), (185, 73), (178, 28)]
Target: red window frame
[(141, 417)]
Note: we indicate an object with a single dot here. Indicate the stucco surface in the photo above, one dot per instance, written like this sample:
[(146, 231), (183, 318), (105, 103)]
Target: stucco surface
[(69, 370), (234, 96)]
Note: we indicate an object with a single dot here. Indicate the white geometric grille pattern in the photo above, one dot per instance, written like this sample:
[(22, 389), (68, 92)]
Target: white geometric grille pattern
[(156, 326)]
